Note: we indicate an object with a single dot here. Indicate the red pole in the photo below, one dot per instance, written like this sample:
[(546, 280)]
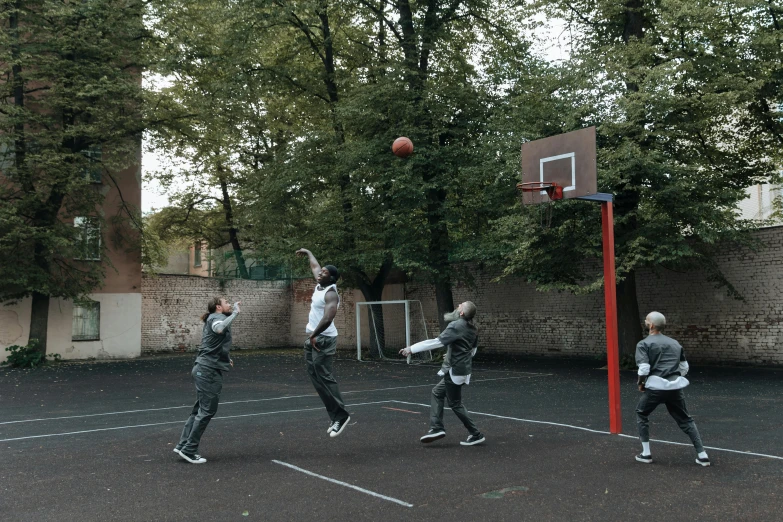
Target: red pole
[(610, 299)]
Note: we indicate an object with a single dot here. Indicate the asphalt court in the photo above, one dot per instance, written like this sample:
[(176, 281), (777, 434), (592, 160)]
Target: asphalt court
[(94, 442)]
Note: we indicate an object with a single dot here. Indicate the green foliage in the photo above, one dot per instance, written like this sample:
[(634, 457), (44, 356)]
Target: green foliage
[(29, 356), (686, 99), (71, 95)]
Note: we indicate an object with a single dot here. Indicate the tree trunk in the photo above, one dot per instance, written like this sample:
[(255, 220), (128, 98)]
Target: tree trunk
[(629, 327), (445, 300), (39, 320), (232, 231), (373, 291)]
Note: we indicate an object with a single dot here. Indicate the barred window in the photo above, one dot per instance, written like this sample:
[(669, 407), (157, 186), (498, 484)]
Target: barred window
[(86, 321), (197, 254), (92, 172), (89, 238)]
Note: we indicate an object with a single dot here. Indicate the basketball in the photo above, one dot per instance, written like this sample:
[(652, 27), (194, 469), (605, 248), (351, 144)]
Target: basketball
[(402, 147)]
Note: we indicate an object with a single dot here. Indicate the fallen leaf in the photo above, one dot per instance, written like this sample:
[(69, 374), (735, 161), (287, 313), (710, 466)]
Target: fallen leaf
[(245, 513)]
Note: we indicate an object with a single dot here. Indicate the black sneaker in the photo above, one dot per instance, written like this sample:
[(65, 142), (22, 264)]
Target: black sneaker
[(177, 449), (644, 459), (473, 440), (330, 428), (703, 462), (339, 426), (433, 435), (192, 458)]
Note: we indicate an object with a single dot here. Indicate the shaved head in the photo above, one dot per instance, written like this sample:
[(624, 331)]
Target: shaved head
[(656, 320)]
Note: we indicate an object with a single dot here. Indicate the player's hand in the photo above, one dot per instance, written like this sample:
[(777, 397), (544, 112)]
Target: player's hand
[(236, 306), (312, 343), (641, 387), (405, 352), (302, 252)]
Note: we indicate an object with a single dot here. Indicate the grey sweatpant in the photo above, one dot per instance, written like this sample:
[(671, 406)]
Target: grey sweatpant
[(209, 383), (319, 368), (675, 403), (446, 389)]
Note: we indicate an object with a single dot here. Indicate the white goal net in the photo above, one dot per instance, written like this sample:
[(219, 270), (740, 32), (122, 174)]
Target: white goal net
[(383, 328)]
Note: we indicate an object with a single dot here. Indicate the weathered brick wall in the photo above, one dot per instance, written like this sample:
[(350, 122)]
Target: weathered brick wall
[(715, 327), (513, 316), (173, 304)]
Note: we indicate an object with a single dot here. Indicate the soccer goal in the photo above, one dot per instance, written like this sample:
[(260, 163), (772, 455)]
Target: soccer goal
[(383, 328)]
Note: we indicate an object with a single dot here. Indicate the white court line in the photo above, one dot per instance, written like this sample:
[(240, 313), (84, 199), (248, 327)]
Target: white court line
[(600, 432), (250, 400), (341, 483), (179, 422)]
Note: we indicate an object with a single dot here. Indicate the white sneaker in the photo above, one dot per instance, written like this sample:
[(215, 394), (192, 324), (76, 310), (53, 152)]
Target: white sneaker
[(193, 459), (330, 428), (433, 435), (339, 426)]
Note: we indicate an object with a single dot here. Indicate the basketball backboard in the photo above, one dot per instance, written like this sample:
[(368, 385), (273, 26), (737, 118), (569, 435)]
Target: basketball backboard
[(566, 159)]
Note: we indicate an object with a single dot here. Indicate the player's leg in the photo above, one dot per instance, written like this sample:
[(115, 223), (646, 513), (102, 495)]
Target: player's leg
[(647, 404), (312, 372), (675, 403), (436, 413), (454, 396), (209, 383), (183, 438), (329, 389)]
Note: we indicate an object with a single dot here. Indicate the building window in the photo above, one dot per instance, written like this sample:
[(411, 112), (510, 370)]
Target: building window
[(88, 238), (92, 172), (197, 254), (86, 321)]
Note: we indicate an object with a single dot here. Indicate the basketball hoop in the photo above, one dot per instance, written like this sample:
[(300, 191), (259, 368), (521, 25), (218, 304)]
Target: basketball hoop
[(552, 189), (533, 194)]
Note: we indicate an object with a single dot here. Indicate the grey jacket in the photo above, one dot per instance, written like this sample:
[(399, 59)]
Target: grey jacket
[(215, 347), (460, 338), (663, 355)]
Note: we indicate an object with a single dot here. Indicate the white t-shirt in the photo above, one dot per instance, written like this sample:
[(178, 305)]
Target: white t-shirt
[(317, 311)]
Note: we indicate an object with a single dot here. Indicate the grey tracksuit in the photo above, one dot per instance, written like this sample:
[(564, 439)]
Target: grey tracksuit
[(212, 360)]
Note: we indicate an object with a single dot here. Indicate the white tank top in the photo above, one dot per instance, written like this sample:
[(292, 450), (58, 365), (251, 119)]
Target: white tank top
[(317, 311)]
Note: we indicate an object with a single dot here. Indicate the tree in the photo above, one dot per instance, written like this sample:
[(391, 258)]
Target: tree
[(70, 113), (685, 96)]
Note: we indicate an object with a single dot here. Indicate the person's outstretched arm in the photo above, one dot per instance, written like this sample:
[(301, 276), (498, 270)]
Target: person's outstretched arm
[(423, 346), (314, 266), (220, 326)]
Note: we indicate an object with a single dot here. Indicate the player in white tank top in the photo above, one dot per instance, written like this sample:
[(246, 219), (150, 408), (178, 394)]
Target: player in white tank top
[(321, 344)]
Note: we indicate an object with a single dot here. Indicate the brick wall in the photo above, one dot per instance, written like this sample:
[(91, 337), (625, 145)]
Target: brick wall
[(715, 327), (513, 316), (173, 304)]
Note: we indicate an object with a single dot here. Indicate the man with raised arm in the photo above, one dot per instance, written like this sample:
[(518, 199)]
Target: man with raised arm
[(321, 343), (662, 369), (213, 359), (461, 339)]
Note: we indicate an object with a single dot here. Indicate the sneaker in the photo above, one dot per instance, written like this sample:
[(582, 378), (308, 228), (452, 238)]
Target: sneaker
[(645, 459), (177, 449), (703, 462), (339, 426), (192, 458), (433, 435), (473, 440), (330, 428)]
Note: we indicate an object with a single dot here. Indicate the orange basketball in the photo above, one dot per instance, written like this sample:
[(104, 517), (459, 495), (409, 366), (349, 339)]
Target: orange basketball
[(402, 147)]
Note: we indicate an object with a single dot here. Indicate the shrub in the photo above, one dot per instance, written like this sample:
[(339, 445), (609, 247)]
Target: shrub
[(28, 356)]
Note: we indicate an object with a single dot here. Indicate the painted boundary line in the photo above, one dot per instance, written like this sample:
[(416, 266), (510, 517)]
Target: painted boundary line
[(126, 412), (178, 422), (505, 417), (334, 481), (600, 432)]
